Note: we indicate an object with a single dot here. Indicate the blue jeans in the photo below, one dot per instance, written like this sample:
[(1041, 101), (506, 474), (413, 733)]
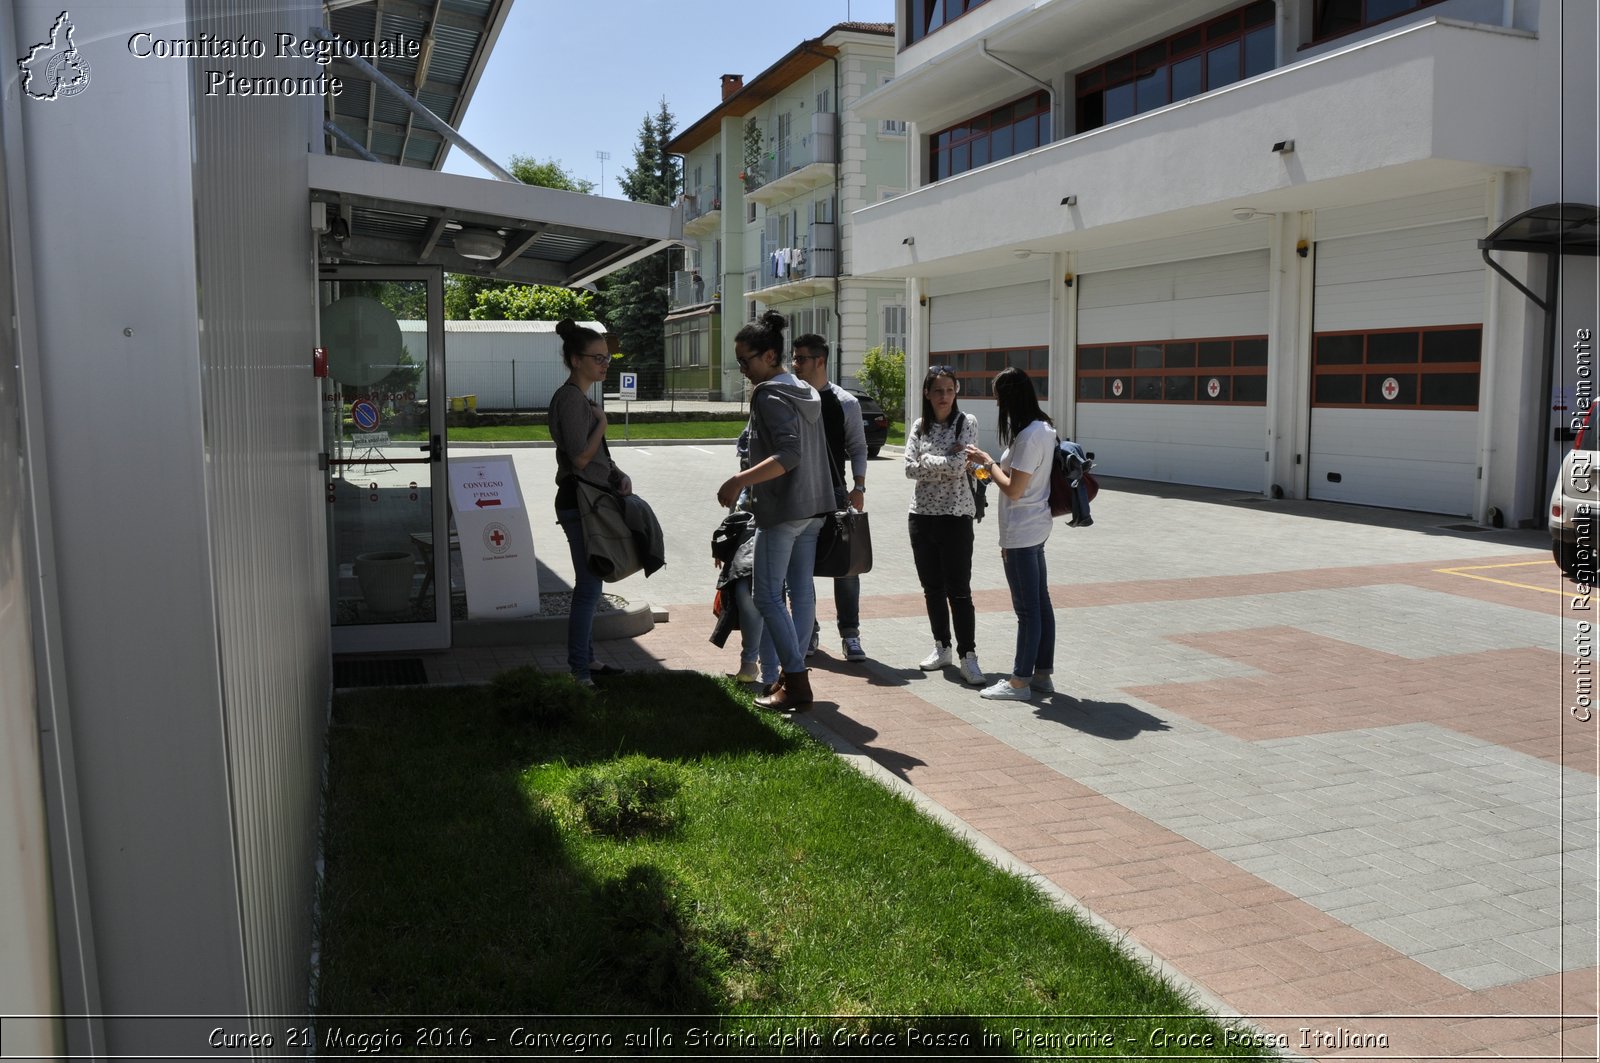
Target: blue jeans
[(1036, 618), (753, 647), (787, 552), (585, 597)]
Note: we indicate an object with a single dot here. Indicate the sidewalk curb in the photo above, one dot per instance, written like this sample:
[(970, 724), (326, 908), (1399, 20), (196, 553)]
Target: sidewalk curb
[(1003, 859)]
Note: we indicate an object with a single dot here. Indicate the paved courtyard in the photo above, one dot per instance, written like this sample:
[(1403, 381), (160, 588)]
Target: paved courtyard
[(1316, 761)]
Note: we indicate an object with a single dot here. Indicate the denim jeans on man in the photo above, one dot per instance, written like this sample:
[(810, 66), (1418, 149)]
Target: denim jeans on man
[(1036, 618), (787, 551), (846, 589), (585, 598)]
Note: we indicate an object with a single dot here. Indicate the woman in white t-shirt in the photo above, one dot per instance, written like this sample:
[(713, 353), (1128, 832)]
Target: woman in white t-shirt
[(1023, 476)]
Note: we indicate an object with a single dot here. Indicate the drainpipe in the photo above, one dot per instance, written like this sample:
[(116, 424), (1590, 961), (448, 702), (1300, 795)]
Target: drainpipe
[(838, 213), (445, 129), (983, 48)]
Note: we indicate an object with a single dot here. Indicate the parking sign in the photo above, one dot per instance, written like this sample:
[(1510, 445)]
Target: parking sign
[(630, 387)]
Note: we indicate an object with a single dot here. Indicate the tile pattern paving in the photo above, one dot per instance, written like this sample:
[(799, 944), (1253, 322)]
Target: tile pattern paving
[(1345, 800)]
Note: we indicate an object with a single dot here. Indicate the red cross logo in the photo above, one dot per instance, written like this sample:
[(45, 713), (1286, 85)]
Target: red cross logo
[(496, 538), (1213, 387), (1391, 388)]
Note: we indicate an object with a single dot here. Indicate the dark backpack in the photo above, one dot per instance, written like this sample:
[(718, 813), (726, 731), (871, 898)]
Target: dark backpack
[(1072, 485)]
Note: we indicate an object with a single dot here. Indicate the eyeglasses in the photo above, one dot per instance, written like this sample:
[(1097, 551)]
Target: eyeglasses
[(600, 359), (798, 358), (942, 370)]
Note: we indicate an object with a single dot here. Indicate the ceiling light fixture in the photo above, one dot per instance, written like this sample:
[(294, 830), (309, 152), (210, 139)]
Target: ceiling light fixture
[(1248, 213), (479, 244)]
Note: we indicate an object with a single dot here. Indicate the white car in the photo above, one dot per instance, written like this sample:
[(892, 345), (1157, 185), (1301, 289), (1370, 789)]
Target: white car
[(1575, 508)]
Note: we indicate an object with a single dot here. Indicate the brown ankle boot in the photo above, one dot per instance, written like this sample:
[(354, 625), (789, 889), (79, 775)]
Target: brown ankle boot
[(770, 689), (793, 694)]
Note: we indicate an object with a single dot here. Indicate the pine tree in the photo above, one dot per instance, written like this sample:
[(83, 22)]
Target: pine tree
[(634, 298)]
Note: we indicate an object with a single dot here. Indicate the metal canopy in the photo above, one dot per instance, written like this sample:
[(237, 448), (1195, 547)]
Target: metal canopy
[(1562, 228), (455, 38), (400, 215)]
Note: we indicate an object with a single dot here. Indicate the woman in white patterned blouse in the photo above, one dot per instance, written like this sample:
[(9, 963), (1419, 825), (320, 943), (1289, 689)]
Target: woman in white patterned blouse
[(941, 521)]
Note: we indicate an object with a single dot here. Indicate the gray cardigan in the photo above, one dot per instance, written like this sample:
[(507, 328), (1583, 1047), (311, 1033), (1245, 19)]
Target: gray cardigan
[(786, 423)]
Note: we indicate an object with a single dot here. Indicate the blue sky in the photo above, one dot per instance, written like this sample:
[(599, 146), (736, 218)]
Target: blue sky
[(568, 79)]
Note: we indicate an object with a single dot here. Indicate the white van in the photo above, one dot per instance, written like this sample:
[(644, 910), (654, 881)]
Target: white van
[(1575, 507)]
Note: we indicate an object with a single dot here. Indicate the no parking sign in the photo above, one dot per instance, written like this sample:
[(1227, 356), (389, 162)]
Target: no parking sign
[(364, 412)]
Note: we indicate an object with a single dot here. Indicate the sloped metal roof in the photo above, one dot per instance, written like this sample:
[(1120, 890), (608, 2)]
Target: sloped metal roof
[(455, 37)]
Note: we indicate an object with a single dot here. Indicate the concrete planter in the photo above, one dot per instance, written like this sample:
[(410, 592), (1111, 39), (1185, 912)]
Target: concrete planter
[(385, 579)]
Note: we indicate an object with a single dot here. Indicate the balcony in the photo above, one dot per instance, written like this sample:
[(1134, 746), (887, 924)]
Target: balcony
[(702, 211), (796, 273), (1429, 106), (795, 164), (686, 291)]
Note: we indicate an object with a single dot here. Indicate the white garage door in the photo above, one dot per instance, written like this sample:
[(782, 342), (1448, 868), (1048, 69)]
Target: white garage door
[(978, 333), (1172, 364), (1395, 376)]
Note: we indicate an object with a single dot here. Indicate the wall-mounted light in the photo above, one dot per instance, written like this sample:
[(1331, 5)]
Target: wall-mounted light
[(1067, 280), (479, 244), (1302, 248), (909, 241), (1069, 201), (1283, 147)]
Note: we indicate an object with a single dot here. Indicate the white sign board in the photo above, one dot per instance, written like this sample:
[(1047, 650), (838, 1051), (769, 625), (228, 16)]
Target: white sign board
[(497, 555), (630, 387)]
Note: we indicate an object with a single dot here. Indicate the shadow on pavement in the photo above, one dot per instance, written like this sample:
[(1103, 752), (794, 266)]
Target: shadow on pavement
[(860, 736), (1113, 720)]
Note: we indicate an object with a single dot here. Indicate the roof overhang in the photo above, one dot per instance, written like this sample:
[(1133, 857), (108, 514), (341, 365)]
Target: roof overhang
[(1554, 228), (453, 40), (401, 215)]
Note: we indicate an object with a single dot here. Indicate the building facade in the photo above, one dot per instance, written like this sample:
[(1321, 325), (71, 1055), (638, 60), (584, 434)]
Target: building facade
[(1238, 244), (771, 178)]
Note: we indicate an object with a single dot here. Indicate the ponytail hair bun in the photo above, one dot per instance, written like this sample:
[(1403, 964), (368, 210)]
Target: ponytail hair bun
[(574, 339), (764, 334)]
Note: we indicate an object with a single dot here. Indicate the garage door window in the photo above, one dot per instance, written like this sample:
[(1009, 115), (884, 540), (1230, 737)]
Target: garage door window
[(976, 370), (1435, 369), (1221, 371)]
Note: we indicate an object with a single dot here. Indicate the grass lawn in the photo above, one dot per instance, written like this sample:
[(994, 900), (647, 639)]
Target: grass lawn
[(533, 852)]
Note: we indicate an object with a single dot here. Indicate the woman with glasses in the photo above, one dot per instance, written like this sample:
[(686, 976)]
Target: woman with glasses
[(1023, 476), (942, 512), (578, 428), (790, 489)]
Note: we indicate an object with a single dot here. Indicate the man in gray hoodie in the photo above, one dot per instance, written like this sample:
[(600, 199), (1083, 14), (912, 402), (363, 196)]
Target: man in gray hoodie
[(790, 491)]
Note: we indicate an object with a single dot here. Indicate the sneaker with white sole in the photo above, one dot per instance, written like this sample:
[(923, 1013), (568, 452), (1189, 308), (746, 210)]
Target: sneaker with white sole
[(749, 672), (1041, 683), (971, 672), (939, 658), (852, 650), (816, 640), (1004, 691)]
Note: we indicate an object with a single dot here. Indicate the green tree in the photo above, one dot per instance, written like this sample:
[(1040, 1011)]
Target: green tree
[(463, 292), (883, 376), (533, 302), (634, 298)]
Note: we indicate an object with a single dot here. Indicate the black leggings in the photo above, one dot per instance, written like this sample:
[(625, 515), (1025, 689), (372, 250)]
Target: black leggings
[(942, 549)]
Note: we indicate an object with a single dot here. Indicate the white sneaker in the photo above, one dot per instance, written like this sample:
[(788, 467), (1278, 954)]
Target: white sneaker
[(1004, 691), (1041, 683), (939, 658), (853, 651), (816, 640), (971, 672)]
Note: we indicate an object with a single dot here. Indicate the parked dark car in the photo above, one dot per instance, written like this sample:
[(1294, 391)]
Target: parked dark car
[(874, 421)]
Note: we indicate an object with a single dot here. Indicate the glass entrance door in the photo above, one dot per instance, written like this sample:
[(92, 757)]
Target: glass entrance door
[(383, 407)]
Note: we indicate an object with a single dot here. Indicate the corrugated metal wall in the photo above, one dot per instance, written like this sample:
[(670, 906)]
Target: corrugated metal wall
[(264, 504)]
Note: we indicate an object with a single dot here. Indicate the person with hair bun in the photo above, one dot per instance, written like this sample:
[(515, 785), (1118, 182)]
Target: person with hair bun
[(1023, 476), (578, 428), (790, 491)]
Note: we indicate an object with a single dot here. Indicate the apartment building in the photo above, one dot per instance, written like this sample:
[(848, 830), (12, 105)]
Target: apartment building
[(771, 177), (1296, 248)]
